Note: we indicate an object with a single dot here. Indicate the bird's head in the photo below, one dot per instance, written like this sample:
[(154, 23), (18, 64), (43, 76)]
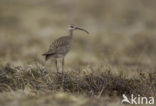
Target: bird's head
[(72, 27)]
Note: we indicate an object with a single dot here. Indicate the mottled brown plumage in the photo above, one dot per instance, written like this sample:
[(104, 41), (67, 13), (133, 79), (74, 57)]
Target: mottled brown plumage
[(61, 46)]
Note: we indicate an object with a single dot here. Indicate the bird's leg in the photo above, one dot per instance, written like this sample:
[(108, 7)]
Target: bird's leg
[(56, 65), (62, 65)]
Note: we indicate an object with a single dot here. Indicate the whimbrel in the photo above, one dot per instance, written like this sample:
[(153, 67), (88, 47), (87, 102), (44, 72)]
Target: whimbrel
[(61, 46)]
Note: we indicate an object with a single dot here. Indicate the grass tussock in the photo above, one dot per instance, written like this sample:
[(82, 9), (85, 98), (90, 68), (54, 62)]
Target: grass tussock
[(117, 57), (92, 84)]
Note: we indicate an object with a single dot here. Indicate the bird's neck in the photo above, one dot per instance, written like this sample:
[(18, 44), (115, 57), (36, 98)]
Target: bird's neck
[(71, 33)]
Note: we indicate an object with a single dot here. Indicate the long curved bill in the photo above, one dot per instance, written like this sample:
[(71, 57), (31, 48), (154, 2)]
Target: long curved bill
[(82, 29)]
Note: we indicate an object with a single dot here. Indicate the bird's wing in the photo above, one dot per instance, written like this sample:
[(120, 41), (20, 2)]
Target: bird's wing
[(57, 44)]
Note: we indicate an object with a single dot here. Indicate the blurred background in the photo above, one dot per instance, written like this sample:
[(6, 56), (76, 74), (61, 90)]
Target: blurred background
[(122, 32)]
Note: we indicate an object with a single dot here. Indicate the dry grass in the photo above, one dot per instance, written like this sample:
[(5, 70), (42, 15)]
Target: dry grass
[(92, 84), (117, 57)]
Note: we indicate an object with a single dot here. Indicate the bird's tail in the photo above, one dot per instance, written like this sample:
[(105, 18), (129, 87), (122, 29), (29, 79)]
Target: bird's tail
[(47, 56)]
